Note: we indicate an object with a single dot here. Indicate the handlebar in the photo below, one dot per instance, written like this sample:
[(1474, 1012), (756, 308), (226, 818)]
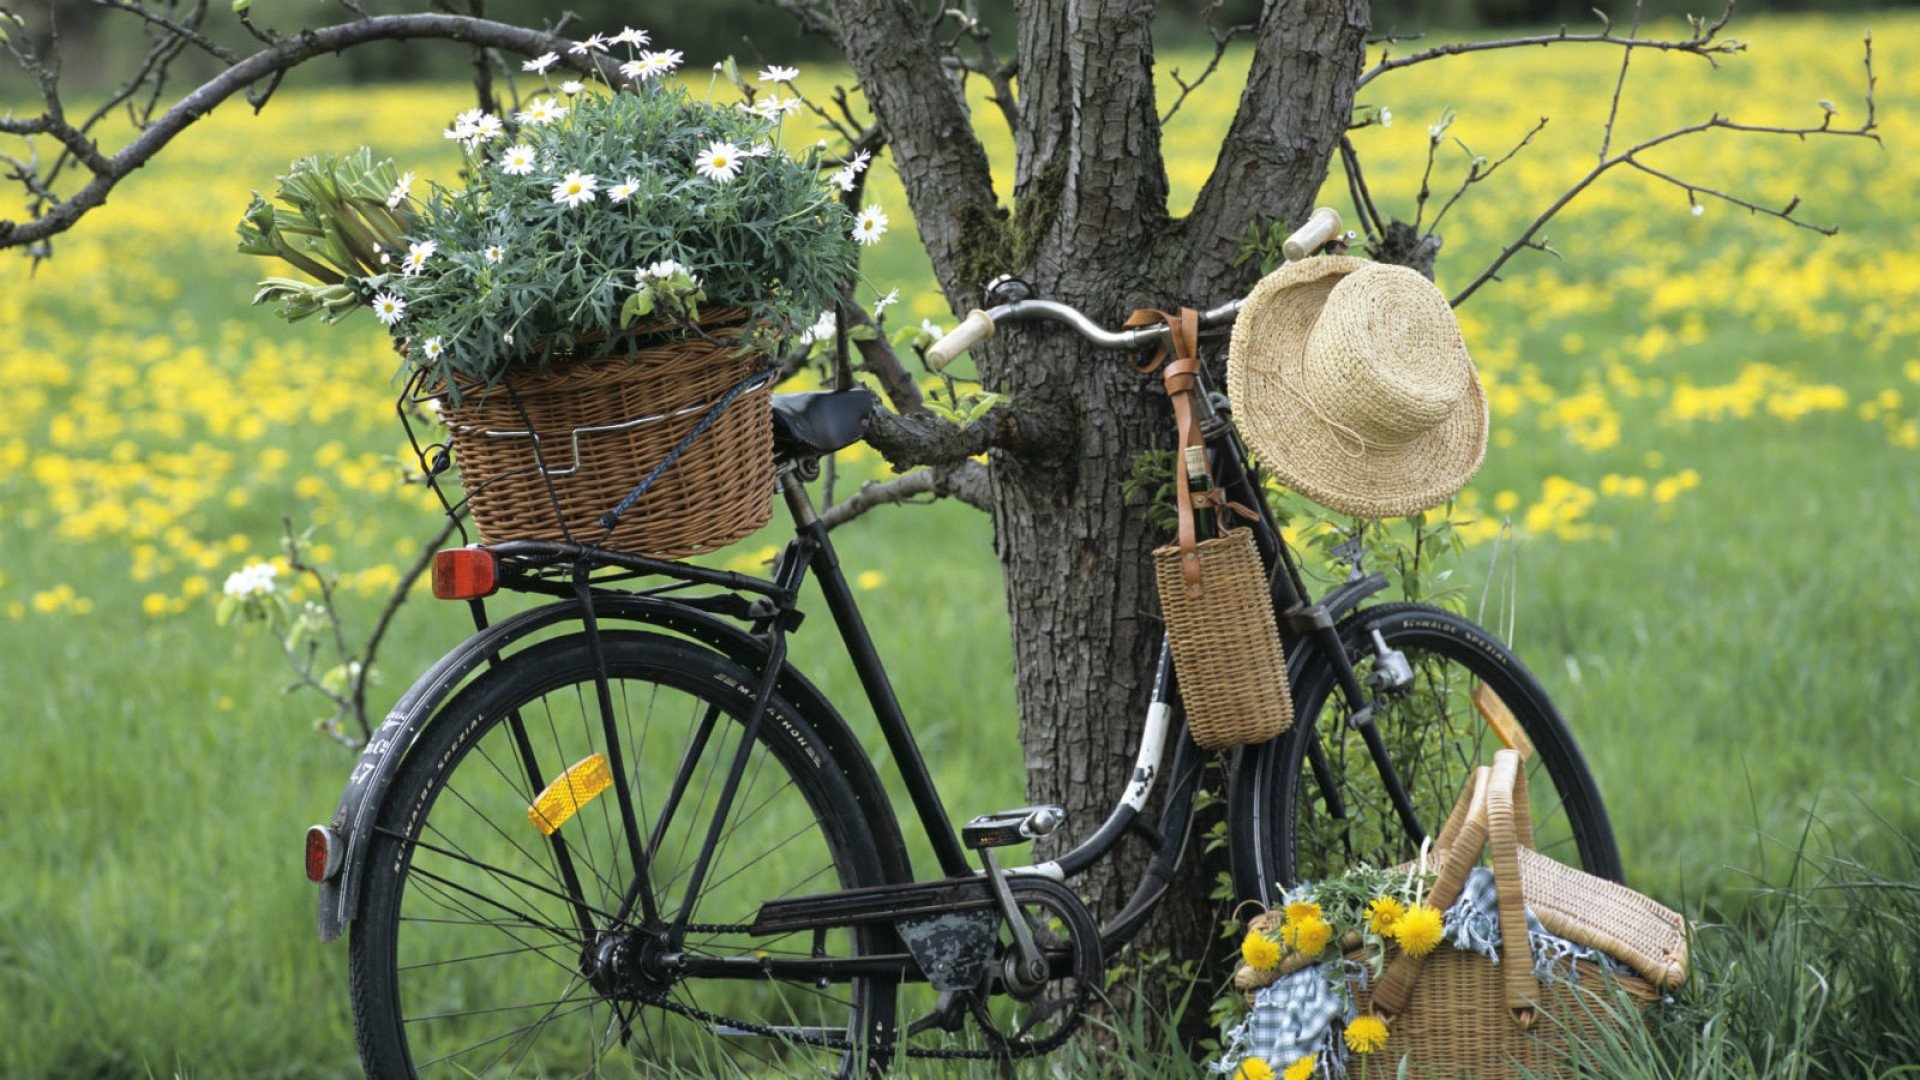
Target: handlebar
[(1321, 229)]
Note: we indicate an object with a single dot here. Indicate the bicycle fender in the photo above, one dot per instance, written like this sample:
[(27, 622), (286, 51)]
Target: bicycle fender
[(1344, 597), (366, 788)]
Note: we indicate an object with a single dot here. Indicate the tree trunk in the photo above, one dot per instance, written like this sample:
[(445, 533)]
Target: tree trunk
[(1089, 227)]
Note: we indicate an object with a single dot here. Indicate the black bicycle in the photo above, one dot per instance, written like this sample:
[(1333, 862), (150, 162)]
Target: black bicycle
[(620, 832)]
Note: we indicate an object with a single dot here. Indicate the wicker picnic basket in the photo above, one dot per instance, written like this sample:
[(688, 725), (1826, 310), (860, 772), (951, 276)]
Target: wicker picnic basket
[(1452, 1013), (1213, 593), (547, 455)]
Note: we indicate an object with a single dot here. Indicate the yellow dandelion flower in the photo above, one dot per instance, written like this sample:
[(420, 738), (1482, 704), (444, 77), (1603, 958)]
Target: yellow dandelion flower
[(1383, 913), (1312, 935), (1366, 1034), (1301, 1069), (1259, 951), (1297, 913), (1253, 1069), (1418, 931)]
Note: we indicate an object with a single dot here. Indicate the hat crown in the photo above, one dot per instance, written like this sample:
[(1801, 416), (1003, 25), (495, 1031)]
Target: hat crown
[(1385, 360)]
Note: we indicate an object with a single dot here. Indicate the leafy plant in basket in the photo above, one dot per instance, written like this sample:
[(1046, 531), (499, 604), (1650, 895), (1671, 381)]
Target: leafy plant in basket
[(622, 256)]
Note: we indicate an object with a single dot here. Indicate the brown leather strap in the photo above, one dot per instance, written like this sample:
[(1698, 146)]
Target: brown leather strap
[(1183, 333)]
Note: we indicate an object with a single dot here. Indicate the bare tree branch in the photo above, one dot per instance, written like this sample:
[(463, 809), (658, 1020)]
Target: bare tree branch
[(1706, 43), (1221, 39), (287, 53), (967, 481), (186, 30), (921, 438), (998, 75), (1478, 169), (878, 358), (1630, 157)]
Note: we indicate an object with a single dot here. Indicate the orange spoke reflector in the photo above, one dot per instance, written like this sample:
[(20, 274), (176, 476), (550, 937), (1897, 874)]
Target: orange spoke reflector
[(1500, 719), (570, 791)]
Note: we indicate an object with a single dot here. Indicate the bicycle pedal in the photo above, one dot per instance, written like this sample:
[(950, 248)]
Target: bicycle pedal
[(1012, 826), (949, 1014)]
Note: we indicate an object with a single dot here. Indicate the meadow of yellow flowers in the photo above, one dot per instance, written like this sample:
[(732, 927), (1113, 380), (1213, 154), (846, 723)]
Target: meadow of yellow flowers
[(1706, 432)]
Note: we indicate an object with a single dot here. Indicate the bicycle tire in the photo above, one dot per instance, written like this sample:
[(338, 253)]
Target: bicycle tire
[(467, 929), (1282, 831)]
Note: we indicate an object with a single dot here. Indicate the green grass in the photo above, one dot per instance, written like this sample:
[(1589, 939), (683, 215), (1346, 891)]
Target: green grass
[(1729, 660)]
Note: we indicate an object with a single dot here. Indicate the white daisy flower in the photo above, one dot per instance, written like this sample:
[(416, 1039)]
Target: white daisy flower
[(630, 36), (576, 188), (821, 330), (572, 87), (870, 226), (663, 61), (792, 104), (461, 131), (763, 150), (401, 190), (540, 112), (720, 161), (494, 253), (432, 348), (596, 43), (842, 179), (488, 128), (636, 71), (859, 162), (417, 256), (623, 191), (932, 329), (517, 161), (880, 305), (774, 73), (389, 307), (662, 271), (539, 64)]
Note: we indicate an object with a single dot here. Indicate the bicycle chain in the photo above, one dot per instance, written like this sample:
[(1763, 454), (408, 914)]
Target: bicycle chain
[(829, 1042)]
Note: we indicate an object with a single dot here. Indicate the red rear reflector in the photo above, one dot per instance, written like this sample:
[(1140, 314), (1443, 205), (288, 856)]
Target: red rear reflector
[(323, 854), (464, 574)]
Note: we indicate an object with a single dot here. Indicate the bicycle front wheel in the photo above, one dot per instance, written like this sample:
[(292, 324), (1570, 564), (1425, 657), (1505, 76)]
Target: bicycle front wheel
[(486, 947), (1312, 802)]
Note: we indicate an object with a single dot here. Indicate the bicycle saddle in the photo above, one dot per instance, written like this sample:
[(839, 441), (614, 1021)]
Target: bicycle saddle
[(819, 422)]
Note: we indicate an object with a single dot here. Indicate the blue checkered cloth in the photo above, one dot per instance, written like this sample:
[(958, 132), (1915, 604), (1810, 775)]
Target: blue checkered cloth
[(1472, 924), (1305, 1012), (1293, 1016)]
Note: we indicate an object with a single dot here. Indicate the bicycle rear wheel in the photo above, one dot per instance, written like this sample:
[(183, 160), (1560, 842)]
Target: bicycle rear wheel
[(483, 947), (1311, 803)]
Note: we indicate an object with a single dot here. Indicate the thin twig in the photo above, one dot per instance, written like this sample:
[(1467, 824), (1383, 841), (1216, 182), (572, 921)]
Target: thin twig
[(1220, 42), (1631, 157), (1478, 169), (392, 608), (1619, 84), (1705, 43)]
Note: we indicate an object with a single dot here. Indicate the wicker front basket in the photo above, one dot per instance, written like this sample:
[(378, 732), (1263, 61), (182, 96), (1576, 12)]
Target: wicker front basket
[(718, 491), (1226, 647)]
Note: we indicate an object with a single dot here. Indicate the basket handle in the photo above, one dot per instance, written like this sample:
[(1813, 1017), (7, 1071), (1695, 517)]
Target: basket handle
[(1466, 831), (1183, 333), (1507, 809)]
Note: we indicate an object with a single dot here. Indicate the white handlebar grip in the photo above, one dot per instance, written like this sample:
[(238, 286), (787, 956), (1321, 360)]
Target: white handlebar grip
[(974, 329), (1321, 227)]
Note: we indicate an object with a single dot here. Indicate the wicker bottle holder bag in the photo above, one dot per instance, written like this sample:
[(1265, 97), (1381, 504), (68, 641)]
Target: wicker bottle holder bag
[(1453, 1013), (1213, 593), (547, 455)]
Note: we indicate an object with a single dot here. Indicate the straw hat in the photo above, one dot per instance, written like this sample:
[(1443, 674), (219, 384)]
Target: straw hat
[(1349, 380)]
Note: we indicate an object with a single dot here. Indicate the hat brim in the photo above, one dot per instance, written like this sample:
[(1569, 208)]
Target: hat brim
[(1305, 452)]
